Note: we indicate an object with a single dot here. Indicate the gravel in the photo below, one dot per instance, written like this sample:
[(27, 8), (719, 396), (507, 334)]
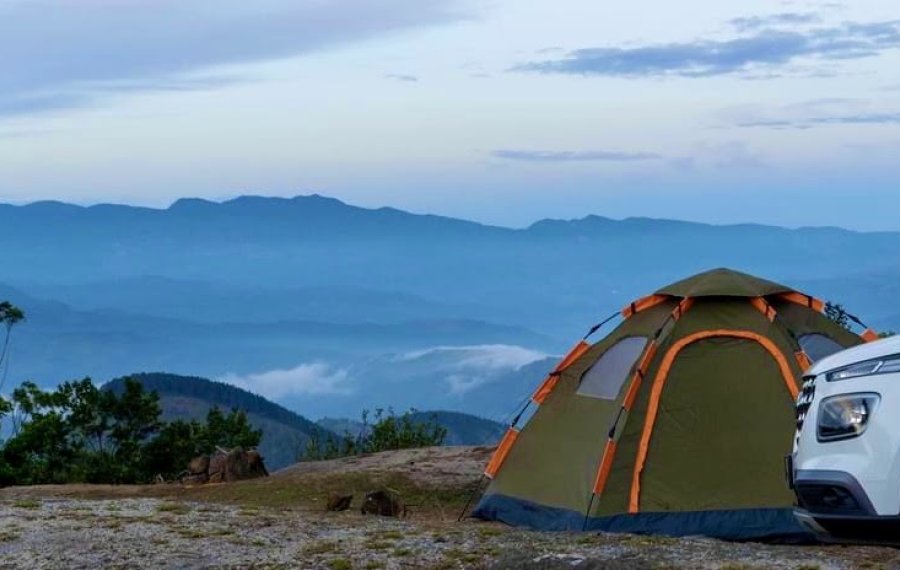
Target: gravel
[(161, 533)]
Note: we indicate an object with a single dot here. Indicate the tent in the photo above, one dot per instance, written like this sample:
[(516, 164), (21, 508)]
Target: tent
[(676, 423)]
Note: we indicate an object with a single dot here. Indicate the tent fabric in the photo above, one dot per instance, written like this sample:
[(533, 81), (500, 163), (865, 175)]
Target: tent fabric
[(723, 283), (774, 524), (699, 421)]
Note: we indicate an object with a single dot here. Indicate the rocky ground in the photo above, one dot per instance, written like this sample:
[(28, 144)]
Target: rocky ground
[(279, 522)]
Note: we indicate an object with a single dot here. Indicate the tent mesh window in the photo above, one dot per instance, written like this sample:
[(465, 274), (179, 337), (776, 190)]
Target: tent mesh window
[(817, 346), (605, 378)]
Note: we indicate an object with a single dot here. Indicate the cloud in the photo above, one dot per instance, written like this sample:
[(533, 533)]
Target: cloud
[(313, 379), (40, 102), (573, 156), (766, 48), (25, 133), (816, 121), (489, 356), (815, 113), (774, 20), (465, 368), (58, 53), (402, 77)]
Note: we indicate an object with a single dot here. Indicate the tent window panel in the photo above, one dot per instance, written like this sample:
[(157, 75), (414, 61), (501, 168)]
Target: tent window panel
[(818, 346), (605, 378)]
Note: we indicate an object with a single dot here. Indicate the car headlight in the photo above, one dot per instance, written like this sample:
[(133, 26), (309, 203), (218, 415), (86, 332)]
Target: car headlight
[(846, 416), (885, 365)]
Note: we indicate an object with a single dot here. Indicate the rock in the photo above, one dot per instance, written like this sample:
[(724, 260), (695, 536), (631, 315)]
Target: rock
[(384, 503), (199, 479), (337, 503), (198, 465), (218, 467), (226, 466)]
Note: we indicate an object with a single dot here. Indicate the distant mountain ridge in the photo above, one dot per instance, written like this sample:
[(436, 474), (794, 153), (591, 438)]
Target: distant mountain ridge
[(264, 289)]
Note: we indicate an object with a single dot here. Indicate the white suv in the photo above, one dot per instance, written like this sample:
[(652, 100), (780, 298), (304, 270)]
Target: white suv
[(845, 466)]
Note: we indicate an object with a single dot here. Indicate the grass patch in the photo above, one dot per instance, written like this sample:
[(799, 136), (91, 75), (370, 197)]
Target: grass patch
[(190, 533), (402, 552), (320, 548), (647, 541), (9, 536), (173, 508), (490, 531), (374, 565), (339, 564), (220, 532), (377, 544), (29, 504), (465, 557)]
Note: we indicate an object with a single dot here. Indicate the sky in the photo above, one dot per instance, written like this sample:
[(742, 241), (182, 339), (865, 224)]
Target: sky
[(501, 111)]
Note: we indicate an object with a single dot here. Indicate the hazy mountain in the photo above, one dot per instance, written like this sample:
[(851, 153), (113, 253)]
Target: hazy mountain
[(462, 429), (58, 342), (212, 302), (331, 308)]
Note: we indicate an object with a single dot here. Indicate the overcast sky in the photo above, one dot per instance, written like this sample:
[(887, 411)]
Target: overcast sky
[(503, 111)]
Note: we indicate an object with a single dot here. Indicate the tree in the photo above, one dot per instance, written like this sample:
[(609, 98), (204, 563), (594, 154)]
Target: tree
[(169, 453), (228, 431), (41, 451), (10, 316), (81, 433), (837, 313), (389, 432)]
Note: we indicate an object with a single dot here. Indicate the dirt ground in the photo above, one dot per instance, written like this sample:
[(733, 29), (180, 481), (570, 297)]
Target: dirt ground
[(279, 522)]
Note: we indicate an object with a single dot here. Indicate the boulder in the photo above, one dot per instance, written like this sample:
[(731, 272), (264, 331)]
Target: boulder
[(225, 466), (337, 503), (198, 465), (385, 503)]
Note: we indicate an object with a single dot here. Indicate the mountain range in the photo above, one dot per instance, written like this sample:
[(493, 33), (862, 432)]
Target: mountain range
[(329, 308)]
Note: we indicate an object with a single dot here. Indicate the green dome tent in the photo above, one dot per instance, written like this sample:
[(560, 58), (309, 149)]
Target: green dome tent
[(676, 423)]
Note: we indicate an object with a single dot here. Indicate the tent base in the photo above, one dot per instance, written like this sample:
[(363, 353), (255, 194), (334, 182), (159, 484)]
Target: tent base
[(764, 525)]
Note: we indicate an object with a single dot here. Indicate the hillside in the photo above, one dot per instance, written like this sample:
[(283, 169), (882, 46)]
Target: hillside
[(189, 398), (464, 429)]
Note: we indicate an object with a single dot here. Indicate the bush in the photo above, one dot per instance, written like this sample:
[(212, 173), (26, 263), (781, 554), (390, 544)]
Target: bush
[(389, 432)]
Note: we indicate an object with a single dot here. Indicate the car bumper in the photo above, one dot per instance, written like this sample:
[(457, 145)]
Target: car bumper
[(849, 528), (836, 508)]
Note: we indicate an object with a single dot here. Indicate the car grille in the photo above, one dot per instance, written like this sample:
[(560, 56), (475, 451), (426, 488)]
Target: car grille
[(804, 401)]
